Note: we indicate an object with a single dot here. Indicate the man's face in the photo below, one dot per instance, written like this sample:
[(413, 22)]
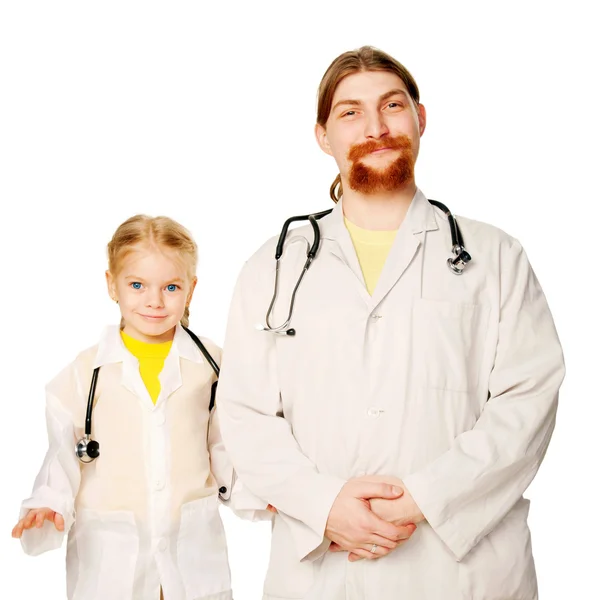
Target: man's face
[(373, 130)]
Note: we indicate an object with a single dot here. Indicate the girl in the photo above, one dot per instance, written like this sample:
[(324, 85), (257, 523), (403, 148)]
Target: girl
[(142, 518)]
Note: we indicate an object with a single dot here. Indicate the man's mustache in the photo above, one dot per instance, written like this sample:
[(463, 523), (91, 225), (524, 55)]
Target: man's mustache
[(399, 142)]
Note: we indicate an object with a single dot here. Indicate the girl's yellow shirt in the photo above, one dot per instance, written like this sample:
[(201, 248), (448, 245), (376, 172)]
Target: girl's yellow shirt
[(152, 360)]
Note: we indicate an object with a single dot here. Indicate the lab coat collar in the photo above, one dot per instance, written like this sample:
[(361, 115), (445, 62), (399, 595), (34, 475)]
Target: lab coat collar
[(419, 217), (185, 346), (111, 348)]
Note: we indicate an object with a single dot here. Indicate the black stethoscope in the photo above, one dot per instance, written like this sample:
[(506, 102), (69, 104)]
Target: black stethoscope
[(88, 449), (456, 264)]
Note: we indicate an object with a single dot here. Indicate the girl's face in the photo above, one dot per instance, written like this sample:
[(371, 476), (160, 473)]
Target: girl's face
[(153, 287)]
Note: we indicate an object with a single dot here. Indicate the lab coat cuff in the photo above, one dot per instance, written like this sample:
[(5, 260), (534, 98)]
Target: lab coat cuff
[(309, 537), (35, 541), (427, 499), (224, 477), (246, 505)]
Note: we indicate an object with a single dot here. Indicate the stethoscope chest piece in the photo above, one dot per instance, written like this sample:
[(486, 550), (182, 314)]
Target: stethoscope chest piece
[(87, 450), (459, 262)]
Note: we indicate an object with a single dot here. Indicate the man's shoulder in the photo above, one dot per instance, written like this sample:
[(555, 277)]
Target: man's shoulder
[(265, 254), (484, 234)]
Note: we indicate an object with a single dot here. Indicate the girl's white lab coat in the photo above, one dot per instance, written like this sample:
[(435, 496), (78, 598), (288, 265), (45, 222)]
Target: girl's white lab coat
[(448, 382), (145, 513)]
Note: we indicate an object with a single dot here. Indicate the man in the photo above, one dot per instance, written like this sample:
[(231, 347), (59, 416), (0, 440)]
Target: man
[(409, 409)]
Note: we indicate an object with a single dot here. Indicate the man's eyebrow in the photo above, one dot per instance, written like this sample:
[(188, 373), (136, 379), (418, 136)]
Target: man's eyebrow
[(350, 102), (393, 93), (382, 98)]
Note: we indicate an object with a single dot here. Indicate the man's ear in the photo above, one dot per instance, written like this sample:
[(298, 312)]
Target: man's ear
[(321, 135), (422, 118)]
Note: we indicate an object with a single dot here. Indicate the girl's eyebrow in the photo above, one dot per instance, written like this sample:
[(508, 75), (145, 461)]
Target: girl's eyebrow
[(175, 279)]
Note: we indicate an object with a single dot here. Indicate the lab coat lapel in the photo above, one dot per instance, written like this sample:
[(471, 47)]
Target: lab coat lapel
[(112, 350), (339, 244), (131, 379), (170, 377), (419, 218), (402, 253)]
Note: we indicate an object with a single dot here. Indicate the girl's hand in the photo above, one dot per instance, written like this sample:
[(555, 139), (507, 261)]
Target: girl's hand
[(37, 516)]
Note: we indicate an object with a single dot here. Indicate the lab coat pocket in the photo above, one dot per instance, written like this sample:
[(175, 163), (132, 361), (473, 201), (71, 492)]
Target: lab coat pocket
[(106, 545), (202, 549), (449, 342)]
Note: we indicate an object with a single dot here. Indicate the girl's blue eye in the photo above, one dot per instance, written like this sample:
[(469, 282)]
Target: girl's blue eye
[(136, 285), (172, 287)]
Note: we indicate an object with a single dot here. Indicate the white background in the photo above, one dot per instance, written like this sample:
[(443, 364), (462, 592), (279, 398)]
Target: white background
[(205, 113)]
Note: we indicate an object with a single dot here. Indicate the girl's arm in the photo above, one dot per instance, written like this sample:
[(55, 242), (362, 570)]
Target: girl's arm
[(58, 481)]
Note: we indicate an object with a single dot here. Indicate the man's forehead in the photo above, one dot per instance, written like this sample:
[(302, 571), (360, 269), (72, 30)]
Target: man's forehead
[(368, 85)]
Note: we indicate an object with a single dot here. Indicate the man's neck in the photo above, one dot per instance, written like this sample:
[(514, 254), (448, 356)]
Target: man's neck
[(378, 212)]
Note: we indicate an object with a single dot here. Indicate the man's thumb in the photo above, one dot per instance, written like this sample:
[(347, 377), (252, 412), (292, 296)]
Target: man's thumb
[(380, 490)]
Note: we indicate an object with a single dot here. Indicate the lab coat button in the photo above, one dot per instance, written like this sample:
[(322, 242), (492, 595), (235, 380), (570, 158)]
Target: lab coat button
[(373, 412), (159, 484), (162, 544), (160, 418)]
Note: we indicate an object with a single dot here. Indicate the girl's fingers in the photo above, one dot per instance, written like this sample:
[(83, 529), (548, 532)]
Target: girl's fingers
[(39, 519), (28, 519), (59, 522)]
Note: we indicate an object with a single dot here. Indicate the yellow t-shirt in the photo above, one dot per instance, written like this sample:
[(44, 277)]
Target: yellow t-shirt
[(372, 249), (152, 360)]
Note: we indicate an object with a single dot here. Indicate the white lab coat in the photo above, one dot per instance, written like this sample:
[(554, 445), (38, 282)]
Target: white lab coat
[(145, 513), (448, 382)]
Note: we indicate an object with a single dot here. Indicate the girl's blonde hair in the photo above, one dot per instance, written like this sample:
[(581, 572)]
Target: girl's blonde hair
[(160, 232)]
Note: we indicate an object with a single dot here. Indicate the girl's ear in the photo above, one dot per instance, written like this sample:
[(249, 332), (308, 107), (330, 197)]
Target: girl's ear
[(111, 287), (191, 292)]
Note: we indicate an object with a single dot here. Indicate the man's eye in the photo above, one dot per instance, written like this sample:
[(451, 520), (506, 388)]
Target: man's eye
[(349, 113)]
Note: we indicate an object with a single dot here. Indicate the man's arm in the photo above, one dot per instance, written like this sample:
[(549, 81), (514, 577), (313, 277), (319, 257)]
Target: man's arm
[(466, 492), (263, 449)]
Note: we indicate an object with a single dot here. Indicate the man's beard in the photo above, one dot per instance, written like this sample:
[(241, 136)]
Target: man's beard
[(369, 180)]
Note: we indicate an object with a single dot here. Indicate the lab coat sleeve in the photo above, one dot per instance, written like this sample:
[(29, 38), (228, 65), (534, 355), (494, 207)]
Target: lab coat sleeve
[(58, 481), (467, 491), (260, 440), (232, 492)]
